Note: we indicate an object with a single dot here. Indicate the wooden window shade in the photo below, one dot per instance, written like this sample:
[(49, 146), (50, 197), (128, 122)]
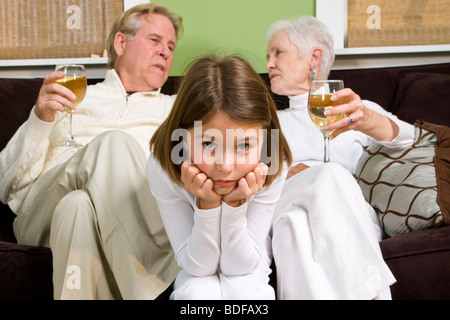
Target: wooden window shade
[(398, 23), (43, 29)]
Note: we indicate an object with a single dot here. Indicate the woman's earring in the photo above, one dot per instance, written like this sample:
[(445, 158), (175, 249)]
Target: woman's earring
[(312, 75)]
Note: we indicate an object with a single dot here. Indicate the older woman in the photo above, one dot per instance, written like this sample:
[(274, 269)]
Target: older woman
[(325, 235)]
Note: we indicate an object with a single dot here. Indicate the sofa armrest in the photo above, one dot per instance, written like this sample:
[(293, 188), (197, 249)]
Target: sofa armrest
[(419, 261), (6, 224), (25, 272)]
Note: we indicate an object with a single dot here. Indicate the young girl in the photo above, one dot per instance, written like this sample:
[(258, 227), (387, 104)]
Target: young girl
[(215, 195)]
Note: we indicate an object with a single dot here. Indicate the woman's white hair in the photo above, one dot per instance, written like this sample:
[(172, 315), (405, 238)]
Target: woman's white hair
[(307, 33)]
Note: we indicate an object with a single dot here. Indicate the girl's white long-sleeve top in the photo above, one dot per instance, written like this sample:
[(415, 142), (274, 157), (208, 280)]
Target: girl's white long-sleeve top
[(226, 239), (33, 149)]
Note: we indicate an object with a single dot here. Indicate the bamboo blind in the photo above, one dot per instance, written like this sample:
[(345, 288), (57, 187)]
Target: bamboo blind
[(401, 22), (42, 29)]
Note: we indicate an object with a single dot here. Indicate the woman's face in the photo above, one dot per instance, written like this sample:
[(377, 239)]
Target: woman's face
[(288, 72), (225, 150)]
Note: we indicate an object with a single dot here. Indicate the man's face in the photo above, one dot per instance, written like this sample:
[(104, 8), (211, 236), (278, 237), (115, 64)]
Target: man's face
[(144, 61)]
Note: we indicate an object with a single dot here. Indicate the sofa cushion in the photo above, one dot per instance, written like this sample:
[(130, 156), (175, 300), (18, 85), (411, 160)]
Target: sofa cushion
[(409, 188), (423, 96), (380, 84), (25, 272), (381, 90)]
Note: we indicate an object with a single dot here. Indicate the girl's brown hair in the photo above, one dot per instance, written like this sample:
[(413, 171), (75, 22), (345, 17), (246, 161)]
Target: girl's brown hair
[(229, 85)]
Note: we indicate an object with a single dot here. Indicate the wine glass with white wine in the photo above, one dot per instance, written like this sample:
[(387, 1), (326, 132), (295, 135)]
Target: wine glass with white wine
[(319, 100), (75, 81)]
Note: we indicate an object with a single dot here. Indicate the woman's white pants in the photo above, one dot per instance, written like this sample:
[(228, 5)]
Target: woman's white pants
[(324, 241)]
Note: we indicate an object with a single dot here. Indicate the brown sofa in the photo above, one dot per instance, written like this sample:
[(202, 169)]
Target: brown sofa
[(419, 260)]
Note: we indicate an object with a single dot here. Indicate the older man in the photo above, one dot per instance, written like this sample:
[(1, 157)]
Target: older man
[(92, 206)]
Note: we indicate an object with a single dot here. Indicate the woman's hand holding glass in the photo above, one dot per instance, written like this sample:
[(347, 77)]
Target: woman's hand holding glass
[(335, 110), (349, 104), (359, 117)]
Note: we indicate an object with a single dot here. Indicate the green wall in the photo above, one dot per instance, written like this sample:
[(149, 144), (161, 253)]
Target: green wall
[(230, 26)]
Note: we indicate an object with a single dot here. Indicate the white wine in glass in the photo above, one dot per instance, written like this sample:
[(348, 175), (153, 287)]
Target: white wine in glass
[(75, 81), (319, 100)]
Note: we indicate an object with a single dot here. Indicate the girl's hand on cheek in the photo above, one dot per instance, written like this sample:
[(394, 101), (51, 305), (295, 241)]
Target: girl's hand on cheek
[(249, 185), (197, 183)]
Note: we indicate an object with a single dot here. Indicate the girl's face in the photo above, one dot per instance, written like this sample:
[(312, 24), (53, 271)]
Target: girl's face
[(225, 150)]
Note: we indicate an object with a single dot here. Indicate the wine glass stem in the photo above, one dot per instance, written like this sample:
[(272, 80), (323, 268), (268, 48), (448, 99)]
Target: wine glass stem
[(326, 140), (70, 125)]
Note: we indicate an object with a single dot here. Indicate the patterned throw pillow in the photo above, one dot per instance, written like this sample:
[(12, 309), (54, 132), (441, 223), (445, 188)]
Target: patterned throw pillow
[(409, 188)]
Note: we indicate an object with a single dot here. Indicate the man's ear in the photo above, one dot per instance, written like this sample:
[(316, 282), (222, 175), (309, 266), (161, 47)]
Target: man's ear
[(120, 41)]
